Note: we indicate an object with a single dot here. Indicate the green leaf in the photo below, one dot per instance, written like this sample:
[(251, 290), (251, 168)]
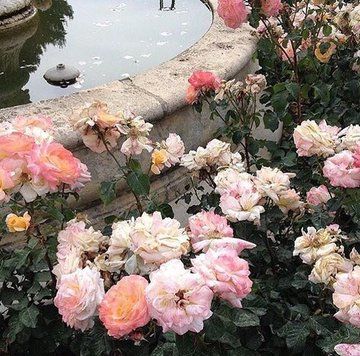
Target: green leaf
[(293, 89), (166, 211), (295, 334), (138, 183), (271, 121), (244, 318), (29, 316), (186, 344), (167, 349), (15, 326), (134, 165), (107, 192)]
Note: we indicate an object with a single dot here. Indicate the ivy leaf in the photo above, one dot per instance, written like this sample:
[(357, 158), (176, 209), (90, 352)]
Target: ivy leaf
[(138, 183), (107, 192), (29, 316), (167, 349)]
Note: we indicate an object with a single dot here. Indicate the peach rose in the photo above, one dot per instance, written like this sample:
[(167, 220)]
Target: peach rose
[(192, 95), (17, 223), (204, 80), (53, 163), (124, 306), (15, 145), (78, 296), (324, 57)]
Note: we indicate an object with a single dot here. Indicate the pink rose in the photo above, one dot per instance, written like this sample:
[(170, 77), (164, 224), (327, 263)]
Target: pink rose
[(341, 170), (178, 299), (318, 195), (78, 296), (356, 156), (347, 349), (124, 306), (233, 12), (346, 297), (203, 80), (210, 230), (54, 164), (225, 273), (271, 7)]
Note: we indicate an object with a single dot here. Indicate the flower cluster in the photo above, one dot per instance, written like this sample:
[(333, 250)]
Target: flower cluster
[(33, 164), (341, 148), (319, 248), (178, 297)]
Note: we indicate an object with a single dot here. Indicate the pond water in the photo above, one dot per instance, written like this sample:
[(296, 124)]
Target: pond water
[(105, 39)]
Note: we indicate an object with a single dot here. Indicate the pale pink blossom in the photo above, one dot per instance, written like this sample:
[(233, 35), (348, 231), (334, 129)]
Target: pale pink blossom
[(318, 195), (255, 83), (347, 349), (228, 177), (271, 7), (124, 307), (233, 12), (178, 299), (356, 156), (77, 237), (210, 230), (157, 240), (289, 200), (340, 169), (242, 202), (313, 139), (51, 162), (175, 148), (349, 138), (78, 296), (287, 52), (346, 297), (39, 127), (225, 273)]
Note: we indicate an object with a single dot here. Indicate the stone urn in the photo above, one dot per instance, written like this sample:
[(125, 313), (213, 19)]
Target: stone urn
[(15, 12)]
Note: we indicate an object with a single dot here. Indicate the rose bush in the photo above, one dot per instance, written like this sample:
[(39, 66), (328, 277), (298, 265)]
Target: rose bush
[(268, 262)]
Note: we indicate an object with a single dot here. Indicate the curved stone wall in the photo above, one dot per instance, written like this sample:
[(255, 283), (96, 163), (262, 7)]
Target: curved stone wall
[(159, 96)]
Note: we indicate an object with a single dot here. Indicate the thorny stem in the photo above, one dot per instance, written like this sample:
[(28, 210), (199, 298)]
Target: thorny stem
[(216, 110)]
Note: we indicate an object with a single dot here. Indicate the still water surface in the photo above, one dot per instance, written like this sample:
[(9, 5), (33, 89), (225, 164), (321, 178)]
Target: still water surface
[(105, 39)]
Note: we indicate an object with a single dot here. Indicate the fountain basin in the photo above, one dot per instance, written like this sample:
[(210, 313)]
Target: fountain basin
[(15, 12)]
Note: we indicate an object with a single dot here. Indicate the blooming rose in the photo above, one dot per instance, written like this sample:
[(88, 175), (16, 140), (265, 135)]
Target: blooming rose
[(210, 230), (341, 171), (158, 240), (192, 95), (350, 138), (271, 182), (318, 195), (326, 268), (16, 223), (242, 202), (38, 127), (233, 12), (78, 296), (8, 180), (77, 237), (228, 177), (313, 139), (347, 349), (137, 132), (178, 299), (289, 200), (314, 244), (203, 80), (346, 296), (15, 145), (271, 7), (124, 306), (255, 83), (53, 163), (225, 273)]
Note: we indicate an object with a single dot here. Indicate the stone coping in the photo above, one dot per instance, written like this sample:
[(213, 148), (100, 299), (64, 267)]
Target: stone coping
[(157, 92)]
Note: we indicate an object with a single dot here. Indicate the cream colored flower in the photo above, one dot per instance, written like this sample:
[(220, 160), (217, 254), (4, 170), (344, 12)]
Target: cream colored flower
[(228, 177), (271, 182), (349, 138), (355, 256), (314, 244), (326, 268), (158, 240), (289, 200)]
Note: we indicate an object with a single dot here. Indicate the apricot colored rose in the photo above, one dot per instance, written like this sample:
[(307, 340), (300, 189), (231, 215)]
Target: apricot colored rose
[(124, 307), (17, 223)]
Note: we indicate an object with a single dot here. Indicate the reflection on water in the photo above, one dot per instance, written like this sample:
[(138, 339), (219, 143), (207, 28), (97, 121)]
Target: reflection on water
[(105, 39)]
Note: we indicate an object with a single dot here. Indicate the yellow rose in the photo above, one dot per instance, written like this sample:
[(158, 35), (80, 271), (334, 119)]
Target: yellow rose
[(325, 57), (158, 158), (18, 223)]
